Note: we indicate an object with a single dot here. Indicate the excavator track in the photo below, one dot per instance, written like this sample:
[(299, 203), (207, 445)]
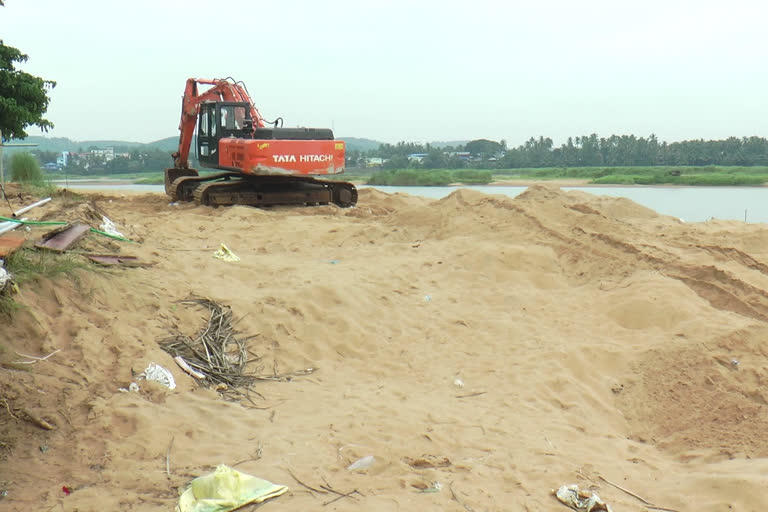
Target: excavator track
[(182, 189), (236, 189)]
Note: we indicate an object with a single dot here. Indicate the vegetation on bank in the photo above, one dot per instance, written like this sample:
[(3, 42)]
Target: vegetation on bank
[(659, 175), (710, 175), (429, 178)]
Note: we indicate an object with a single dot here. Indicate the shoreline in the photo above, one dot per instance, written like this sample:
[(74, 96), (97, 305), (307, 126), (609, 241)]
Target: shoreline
[(72, 184)]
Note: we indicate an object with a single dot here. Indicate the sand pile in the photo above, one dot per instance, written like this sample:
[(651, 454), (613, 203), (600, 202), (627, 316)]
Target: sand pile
[(499, 347)]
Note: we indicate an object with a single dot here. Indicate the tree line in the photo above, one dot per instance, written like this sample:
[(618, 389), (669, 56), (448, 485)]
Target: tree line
[(584, 151)]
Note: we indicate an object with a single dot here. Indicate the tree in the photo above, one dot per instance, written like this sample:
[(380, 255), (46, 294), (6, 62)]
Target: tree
[(23, 97)]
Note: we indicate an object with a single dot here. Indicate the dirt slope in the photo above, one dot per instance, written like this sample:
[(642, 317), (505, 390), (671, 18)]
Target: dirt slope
[(593, 338)]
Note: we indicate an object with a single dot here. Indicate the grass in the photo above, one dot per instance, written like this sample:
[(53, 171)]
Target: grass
[(429, 178), (710, 175), (28, 266)]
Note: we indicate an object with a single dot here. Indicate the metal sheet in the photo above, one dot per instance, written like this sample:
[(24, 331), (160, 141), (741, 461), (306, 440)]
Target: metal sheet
[(62, 239)]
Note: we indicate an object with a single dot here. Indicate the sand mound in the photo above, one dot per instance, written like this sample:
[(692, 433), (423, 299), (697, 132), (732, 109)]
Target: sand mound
[(501, 347)]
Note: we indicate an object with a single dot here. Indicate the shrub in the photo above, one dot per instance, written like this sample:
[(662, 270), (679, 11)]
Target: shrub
[(26, 170)]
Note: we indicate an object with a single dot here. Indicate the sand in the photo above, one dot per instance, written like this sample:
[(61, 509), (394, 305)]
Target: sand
[(516, 344)]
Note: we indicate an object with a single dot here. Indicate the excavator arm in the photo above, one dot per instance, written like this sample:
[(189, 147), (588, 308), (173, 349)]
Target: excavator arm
[(221, 90)]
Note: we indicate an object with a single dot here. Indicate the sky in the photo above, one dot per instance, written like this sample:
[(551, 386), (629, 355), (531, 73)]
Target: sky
[(418, 70)]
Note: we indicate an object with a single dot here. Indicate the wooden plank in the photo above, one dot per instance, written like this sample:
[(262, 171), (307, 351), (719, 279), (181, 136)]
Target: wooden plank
[(10, 243), (60, 240)]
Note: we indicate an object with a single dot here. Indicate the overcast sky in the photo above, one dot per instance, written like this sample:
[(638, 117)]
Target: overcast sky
[(416, 70)]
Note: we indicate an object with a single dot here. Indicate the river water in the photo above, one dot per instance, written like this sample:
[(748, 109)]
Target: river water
[(691, 204)]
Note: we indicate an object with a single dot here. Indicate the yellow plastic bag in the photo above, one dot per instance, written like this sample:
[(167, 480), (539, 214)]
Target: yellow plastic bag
[(225, 254), (226, 489)]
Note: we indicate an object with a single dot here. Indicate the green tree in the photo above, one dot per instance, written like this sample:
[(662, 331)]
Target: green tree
[(23, 97)]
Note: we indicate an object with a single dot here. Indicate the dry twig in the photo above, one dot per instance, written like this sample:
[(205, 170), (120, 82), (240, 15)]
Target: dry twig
[(37, 421), (305, 485), (645, 502), (168, 458), (457, 500), (34, 359)]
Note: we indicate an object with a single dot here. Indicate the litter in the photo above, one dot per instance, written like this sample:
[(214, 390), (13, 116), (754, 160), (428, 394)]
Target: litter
[(115, 259), (427, 298), (157, 373), (225, 254), (109, 227), (5, 276), (362, 463), (10, 243), (581, 500), (433, 487), (226, 489), (61, 239)]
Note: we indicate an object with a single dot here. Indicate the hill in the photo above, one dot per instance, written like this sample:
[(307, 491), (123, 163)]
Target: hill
[(358, 144)]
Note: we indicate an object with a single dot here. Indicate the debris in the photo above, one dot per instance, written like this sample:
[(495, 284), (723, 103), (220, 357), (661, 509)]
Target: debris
[(115, 259), (735, 363), (27, 208), (224, 253), (107, 226), (226, 489), (433, 487), (427, 462), (10, 243), (37, 421), (647, 503), (362, 463), (581, 500), (5, 277), (108, 235), (427, 298), (157, 373), (216, 353), (458, 382), (66, 490), (35, 359), (132, 387), (184, 366), (61, 239), (8, 226)]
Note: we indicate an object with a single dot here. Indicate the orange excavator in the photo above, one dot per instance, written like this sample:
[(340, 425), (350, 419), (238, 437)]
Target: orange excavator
[(262, 165)]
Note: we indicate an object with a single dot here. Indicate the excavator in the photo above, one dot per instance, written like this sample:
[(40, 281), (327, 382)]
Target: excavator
[(262, 164)]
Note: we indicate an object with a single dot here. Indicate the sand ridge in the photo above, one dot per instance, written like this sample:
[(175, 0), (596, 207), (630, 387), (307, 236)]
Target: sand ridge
[(592, 336)]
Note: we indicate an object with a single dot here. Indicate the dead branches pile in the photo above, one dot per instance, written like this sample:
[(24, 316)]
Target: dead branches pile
[(216, 357)]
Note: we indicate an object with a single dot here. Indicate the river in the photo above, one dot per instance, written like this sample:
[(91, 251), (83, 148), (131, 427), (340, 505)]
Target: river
[(691, 204)]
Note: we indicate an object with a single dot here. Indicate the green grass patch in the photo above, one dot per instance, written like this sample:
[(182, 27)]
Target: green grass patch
[(429, 178), (704, 180), (28, 266)]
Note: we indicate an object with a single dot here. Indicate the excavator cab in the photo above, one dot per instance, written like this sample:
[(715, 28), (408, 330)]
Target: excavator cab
[(217, 120)]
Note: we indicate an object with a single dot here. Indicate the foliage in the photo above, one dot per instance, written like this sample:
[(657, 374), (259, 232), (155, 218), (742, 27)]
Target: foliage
[(25, 169), (472, 176), (410, 177), (23, 97), (429, 178)]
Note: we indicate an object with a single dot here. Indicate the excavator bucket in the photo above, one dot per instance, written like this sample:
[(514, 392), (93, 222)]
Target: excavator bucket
[(172, 175)]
